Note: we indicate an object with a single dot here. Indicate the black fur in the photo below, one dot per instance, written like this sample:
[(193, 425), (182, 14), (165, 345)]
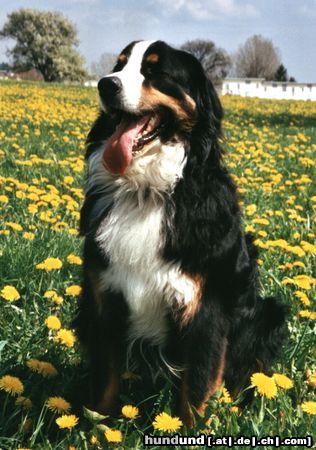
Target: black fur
[(202, 231)]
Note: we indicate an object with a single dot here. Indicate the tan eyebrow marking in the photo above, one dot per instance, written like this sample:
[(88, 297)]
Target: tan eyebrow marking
[(122, 57), (152, 97), (153, 58)]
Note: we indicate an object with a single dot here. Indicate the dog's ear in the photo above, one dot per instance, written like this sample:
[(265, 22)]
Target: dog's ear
[(207, 130), (209, 108), (103, 128)]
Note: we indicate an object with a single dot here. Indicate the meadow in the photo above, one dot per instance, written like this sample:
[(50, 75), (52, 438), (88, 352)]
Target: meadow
[(270, 149)]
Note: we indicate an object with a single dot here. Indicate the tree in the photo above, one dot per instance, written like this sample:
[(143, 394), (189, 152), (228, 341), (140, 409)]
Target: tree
[(4, 66), (257, 58), (281, 74), (214, 60), (104, 65), (45, 41)]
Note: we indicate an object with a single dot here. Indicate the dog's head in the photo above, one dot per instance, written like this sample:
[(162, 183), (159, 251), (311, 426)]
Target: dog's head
[(155, 96)]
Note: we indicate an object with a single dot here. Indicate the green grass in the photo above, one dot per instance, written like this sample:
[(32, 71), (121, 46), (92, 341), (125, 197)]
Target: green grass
[(270, 149)]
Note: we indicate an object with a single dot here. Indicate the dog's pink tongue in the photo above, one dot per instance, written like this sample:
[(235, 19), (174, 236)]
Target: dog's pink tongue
[(117, 153)]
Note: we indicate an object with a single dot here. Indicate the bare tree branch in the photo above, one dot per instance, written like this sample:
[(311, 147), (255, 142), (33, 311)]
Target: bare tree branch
[(214, 60), (104, 65), (257, 58)]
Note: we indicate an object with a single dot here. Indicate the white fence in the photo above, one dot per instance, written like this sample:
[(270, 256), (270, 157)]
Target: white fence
[(258, 87)]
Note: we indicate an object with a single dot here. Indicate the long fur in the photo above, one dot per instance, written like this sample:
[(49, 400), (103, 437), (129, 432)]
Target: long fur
[(166, 262)]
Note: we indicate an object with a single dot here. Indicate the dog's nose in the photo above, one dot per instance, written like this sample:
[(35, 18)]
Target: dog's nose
[(109, 87)]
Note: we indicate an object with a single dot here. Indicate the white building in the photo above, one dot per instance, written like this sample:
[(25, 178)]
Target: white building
[(258, 87), (91, 83)]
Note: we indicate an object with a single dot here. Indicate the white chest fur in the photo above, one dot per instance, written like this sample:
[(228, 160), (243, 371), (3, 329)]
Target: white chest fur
[(131, 237)]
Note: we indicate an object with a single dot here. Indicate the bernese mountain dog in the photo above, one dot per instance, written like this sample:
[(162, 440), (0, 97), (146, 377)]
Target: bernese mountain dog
[(170, 278)]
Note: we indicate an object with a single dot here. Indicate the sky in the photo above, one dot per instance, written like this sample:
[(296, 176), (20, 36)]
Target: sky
[(109, 25)]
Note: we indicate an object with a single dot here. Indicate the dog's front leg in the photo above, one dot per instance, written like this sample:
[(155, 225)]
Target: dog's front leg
[(205, 364), (105, 382), (106, 349)]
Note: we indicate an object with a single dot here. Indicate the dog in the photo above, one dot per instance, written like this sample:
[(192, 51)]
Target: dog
[(170, 278)]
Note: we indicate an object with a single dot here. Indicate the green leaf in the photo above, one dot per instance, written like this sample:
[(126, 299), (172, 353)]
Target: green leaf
[(102, 428), (93, 416)]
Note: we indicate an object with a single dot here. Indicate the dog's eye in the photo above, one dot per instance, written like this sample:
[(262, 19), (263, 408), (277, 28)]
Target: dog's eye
[(150, 70), (153, 70)]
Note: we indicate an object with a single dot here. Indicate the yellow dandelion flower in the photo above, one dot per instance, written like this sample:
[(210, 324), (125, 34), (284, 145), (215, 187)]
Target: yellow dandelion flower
[(53, 323), (14, 226), (25, 402), (65, 337), (235, 409), (58, 405), (309, 407), (130, 411), (304, 281), (261, 221), (73, 231), (67, 421), (250, 229), (266, 386), (74, 290), (259, 243), (50, 294), (164, 422), (10, 294), (113, 435), (68, 180), (306, 314), (295, 250), (33, 364), (282, 381), (299, 264), (225, 398), (29, 236), (286, 266), (4, 199), (50, 264), (303, 298), (32, 208), (278, 243), (57, 299), (250, 210), (94, 440), (73, 259), (11, 385), (46, 369), (308, 247), (311, 379)]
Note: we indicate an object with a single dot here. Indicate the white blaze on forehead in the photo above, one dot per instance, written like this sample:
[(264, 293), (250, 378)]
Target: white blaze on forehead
[(131, 77)]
